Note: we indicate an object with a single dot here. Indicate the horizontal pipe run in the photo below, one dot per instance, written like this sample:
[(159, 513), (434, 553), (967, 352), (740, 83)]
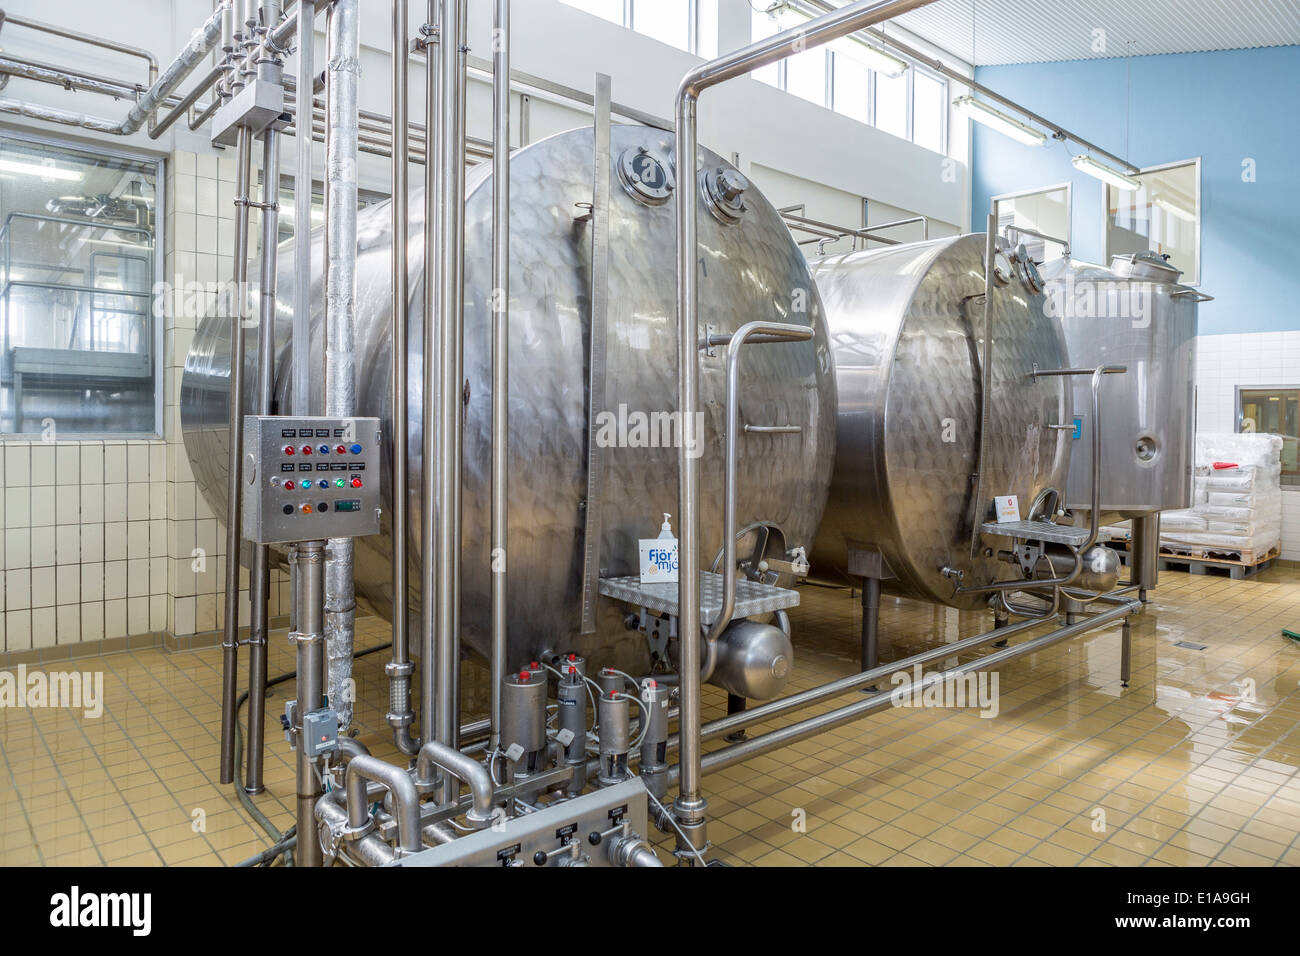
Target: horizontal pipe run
[(813, 726)]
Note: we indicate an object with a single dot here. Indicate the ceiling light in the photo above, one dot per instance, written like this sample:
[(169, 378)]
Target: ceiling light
[(41, 170), (788, 17), (1000, 121), (1086, 164)]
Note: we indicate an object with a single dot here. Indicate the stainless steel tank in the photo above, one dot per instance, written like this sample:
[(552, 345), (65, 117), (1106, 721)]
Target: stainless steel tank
[(907, 331), (1134, 314), (750, 269)]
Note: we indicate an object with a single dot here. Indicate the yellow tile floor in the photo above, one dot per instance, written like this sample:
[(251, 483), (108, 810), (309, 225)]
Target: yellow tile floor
[(1194, 764)]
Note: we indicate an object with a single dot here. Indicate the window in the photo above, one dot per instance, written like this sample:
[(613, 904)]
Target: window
[(891, 104), (1163, 216), (761, 27), (1273, 411), (805, 76), (690, 25), (80, 344), (851, 88), (929, 110), (1042, 210)]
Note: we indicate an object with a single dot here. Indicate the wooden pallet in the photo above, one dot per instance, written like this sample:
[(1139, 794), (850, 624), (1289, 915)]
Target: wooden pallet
[(1244, 565), (1249, 563)]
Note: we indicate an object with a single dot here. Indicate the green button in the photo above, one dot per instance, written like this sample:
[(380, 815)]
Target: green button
[(339, 483)]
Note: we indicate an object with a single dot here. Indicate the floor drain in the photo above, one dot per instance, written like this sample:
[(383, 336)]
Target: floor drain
[(1190, 645)]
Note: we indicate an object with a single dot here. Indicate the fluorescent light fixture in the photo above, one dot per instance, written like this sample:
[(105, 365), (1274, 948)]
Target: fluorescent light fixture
[(793, 18), (1174, 209), (996, 119), (41, 170), (1086, 164)]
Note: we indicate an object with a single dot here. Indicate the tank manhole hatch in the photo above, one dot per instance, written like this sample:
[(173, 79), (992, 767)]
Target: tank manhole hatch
[(751, 597)]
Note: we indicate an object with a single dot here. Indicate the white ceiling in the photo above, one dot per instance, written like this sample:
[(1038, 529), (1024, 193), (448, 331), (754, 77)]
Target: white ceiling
[(1037, 31)]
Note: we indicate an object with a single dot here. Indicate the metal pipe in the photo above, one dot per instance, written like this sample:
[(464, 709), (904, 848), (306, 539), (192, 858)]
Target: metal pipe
[(450, 200), (308, 643), (343, 74), (986, 378), (369, 850), (429, 392), (473, 774), (911, 53), (101, 42), (234, 482), (500, 438), (811, 727), (406, 798), (453, 510), (260, 574), (1025, 231), (301, 340), (214, 75), (400, 668), (771, 331), (690, 806)]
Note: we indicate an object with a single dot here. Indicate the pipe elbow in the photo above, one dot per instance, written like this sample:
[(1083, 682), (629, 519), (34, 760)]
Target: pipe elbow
[(465, 769), (406, 798)]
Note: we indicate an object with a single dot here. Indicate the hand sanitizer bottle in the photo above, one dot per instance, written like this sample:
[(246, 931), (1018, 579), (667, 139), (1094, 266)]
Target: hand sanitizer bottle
[(659, 556)]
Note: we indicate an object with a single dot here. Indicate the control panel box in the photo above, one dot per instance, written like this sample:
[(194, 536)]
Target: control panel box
[(307, 479)]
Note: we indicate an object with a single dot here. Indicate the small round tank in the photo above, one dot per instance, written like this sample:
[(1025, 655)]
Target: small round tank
[(750, 268), (907, 330)]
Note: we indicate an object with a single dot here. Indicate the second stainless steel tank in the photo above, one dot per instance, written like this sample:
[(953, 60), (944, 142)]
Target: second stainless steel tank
[(907, 332)]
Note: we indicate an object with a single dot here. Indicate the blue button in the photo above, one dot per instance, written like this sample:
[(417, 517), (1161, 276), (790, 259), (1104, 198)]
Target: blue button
[(324, 483), (356, 449), (324, 449)]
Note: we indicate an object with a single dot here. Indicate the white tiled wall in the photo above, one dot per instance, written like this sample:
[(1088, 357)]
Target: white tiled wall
[(111, 539), (1225, 362)]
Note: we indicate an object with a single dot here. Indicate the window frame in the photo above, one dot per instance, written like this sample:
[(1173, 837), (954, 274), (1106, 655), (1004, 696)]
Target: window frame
[(1200, 214), (159, 317), (1291, 478), (1069, 204)]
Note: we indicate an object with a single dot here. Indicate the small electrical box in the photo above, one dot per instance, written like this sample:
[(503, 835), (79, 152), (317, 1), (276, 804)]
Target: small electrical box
[(307, 479), (320, 732)]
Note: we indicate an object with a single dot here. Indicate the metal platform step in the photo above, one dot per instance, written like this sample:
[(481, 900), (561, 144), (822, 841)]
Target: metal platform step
[(751, 597), (1038, 531)]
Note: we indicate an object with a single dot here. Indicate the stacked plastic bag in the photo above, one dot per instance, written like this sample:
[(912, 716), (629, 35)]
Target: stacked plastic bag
[(1236, 498)]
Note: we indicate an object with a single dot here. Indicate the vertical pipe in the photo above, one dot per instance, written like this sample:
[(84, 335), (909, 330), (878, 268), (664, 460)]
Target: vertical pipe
[(458, 356), (429, 349), (308, 642), (500, 352), (399, 669), (1126, 652), (260, 574), (986, 379), (690, 805), (235, 471), (343, 74), (302, 213), (451, 252)]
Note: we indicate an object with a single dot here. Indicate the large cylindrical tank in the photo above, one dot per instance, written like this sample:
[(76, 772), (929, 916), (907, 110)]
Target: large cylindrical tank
[(1134, 314), (907, 327), (750, 268)]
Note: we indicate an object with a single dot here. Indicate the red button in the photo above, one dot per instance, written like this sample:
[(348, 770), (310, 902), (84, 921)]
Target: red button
[(306, 449), (289, 485), (342, 449), (290, 450), (356, 482), (524, 677)]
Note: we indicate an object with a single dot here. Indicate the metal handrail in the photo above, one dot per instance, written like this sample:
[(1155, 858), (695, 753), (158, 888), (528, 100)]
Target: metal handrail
[(751, 333)]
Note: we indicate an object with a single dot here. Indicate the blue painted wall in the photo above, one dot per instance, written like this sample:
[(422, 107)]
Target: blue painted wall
[(1223, 107)]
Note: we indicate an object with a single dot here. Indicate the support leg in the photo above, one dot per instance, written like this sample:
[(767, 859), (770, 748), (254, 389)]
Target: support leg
[(735, 705), (1126, 653), (870, 622), (1146, 554), (999, 622)]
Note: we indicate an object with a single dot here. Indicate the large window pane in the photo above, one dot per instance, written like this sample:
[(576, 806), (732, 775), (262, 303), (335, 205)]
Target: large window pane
[(805, 76), (891, 104), (852, 89), (761, 27), (668, 21), (1273, 411), (1163, 216), (707, 40), (929, 106), (611, 10), (1045, 210), (78, 335)]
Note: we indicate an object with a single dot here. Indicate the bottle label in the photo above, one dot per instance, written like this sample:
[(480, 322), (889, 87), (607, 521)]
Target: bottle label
[(658, 560)]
